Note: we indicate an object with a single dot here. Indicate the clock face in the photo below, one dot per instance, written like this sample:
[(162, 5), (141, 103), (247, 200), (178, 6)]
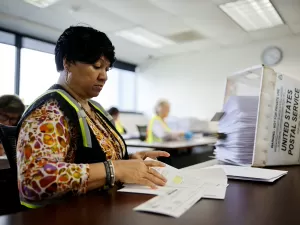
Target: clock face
[(271, 56)]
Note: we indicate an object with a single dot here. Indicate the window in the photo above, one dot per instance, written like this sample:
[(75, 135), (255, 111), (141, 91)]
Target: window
[(119, 90), (109, 96), (127, 90), (8, 61), (38, 71)]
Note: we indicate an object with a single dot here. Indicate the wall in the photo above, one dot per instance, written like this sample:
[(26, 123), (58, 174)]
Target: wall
[(195, 83)]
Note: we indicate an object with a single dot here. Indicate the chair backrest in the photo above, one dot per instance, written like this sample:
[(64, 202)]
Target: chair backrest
[(131, 120), (142, 131), (10, 198), (8, 137)]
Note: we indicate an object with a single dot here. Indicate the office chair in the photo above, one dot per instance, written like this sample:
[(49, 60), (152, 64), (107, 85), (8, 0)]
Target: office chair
[(142, 131), (8, 138)]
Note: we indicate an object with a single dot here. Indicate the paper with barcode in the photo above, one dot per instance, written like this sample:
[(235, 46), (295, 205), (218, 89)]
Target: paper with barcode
[(174, 203)]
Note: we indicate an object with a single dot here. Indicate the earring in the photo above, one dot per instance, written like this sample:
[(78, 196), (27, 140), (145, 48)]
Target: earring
[(67, 77)]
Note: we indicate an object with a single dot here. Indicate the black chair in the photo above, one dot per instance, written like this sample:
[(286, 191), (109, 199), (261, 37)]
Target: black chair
[(8, 137), (11, 200), (142, 131)]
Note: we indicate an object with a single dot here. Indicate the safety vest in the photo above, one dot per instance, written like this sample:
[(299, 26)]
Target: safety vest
[(88, 149), (151, 138), (80, 113), (119, 127)]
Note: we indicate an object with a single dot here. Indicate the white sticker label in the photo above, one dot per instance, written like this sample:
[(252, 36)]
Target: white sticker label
[(285, 126)]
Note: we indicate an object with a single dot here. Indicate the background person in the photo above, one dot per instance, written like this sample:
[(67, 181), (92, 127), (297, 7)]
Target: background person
[(158, 130), (11, 110), (114, 112)]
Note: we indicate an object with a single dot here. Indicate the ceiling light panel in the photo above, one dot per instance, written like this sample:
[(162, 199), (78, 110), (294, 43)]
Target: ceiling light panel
[(144, 38), (41, 3), (253, 15)]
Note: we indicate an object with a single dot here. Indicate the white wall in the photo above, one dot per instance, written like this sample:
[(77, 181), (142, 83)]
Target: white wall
[(195, 83)]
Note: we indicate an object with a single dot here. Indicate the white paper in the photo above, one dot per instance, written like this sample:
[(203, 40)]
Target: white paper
[(175, 177), (135, 188), (239, 123), (250, 173), (173, 204), (214, 191), (213, 182)]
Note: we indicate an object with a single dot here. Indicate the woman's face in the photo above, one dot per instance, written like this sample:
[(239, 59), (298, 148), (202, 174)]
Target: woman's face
[(115, 116), (9, 119), (165, 110), (88, 80)]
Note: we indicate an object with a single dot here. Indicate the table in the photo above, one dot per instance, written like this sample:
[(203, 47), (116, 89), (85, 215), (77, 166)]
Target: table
[(246, 203), (172, 145), (207, 163), (182, 153), (130, 136)]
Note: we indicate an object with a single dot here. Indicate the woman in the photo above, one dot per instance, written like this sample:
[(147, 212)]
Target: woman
[(66, 144), (11, 110), (114, 112), (158, 130)]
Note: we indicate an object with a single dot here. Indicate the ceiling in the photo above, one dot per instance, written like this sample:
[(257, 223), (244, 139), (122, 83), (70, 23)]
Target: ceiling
[(164, 17)]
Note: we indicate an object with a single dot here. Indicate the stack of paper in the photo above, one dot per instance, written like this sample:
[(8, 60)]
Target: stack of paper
[(239, 123), (184, 187), (248, 173)]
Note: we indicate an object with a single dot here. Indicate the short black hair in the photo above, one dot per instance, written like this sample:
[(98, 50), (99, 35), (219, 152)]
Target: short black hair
[(11, 104), (113, 111), (83, 44)]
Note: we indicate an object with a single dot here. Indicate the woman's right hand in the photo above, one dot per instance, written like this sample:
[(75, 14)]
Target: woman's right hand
[(139, 172)]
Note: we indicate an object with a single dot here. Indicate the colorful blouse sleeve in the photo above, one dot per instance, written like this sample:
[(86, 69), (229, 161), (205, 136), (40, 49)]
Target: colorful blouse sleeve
[(44, 156)]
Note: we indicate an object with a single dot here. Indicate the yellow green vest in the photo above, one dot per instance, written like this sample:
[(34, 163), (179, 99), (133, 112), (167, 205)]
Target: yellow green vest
[(151, 138)]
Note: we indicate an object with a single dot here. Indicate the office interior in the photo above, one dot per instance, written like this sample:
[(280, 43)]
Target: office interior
[(181, 51)]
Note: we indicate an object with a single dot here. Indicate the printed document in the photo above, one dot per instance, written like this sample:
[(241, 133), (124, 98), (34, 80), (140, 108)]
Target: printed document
[(174, 203), (213, 182)]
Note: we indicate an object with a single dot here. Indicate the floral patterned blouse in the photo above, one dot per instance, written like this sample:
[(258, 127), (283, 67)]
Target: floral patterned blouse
[(45, 154)]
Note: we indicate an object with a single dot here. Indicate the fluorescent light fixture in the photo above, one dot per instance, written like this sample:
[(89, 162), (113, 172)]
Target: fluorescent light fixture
[(144, 38), (41, 3), (253, 15)]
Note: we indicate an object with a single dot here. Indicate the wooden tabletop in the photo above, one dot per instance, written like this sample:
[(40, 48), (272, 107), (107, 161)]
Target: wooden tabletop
[(246, 203), (172, 144)]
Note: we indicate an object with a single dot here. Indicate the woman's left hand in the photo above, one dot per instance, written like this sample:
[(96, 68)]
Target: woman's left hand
[(150, 154)]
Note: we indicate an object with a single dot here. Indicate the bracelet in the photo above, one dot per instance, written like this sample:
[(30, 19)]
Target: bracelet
[(108, 175), (112, 173)]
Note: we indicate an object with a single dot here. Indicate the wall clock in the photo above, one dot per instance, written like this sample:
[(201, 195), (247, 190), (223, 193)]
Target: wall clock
[(272, 56)]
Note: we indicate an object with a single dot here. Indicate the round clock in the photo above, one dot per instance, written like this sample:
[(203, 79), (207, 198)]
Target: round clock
[(272, 56)]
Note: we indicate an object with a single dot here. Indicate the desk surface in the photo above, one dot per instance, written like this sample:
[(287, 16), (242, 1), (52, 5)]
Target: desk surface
[(246, 203), (172, 144), (130, 136)]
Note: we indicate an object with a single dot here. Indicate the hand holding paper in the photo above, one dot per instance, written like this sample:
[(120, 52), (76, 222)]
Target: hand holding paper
[(139, 172), (182, 190), (214, 180)]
